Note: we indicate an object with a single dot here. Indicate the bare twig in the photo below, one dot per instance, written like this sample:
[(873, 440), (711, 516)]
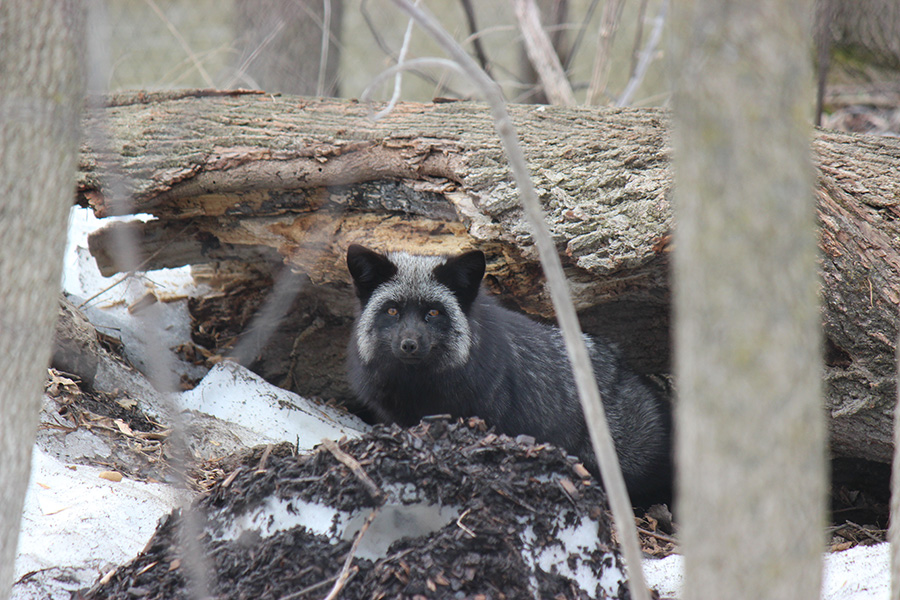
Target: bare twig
[(310, 588), (355, 468), (398, 78), (196, 567), (581, 31), (459, 523), (231, 477), (823, 40), (659, 536), (261, 467), (542, 55), (609, 25), (241, 71), (866, 532), (894, 522), (561, 296), (474, 37), (379, 41), (638, 38), (131, 272), (345, 573), (182, 42), (323, 52), (409, 65), (646, 57), (278, 302)]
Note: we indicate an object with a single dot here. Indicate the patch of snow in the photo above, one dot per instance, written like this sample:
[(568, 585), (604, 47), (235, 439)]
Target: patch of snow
[(280, 514), (76, 526), (860, 573), (665, 575), (396, 519), (575, 545), (81, 277), (73, 446), (232, 393)]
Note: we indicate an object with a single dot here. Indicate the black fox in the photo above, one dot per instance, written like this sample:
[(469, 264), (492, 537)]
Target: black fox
[(428, 341)]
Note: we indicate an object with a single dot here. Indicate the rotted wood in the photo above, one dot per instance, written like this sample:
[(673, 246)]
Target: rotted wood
[(244, 176)]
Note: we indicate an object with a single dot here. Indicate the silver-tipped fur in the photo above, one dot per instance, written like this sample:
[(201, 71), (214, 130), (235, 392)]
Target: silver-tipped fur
[(428, 341), (415, 281)]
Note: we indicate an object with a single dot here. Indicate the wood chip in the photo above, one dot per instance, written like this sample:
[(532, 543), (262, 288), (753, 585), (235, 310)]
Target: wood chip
[(148, 299), (581, 471)]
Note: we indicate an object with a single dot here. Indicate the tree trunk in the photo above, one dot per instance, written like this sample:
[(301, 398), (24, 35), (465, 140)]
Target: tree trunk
[(40, 101), (750, 444), (247, 176)]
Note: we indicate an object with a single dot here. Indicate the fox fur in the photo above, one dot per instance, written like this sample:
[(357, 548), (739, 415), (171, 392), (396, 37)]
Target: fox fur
[(429, 341)]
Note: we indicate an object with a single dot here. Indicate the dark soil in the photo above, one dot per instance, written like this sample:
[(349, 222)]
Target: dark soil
[(500, 485)]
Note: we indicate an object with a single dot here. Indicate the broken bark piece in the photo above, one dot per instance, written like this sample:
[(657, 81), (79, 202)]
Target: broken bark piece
[(76, 348), (79, 349)]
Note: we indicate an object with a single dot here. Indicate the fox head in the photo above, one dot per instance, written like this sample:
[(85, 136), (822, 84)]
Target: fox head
[(414, 307)]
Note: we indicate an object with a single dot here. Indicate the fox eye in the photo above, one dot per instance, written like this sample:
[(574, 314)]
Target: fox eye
[(392, 311), (434, 312)]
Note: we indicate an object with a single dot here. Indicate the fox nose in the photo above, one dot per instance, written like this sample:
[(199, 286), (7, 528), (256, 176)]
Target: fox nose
[(409, 346)]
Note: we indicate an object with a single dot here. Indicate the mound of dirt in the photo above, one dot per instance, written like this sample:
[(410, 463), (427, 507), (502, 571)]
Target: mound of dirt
[(443, 510)]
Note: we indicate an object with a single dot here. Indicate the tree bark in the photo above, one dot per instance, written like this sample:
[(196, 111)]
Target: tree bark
[(244, 176), (41, 59), (750, 444)]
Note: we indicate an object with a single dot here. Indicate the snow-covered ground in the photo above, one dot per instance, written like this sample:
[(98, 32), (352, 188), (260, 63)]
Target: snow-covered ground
[(860, 573), (78, 523)]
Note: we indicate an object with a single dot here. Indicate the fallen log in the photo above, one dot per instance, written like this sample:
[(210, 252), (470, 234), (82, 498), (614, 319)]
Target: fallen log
[(248, 177)]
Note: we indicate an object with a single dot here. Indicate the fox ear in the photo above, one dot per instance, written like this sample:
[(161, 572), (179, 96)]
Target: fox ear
[(368, 269), (463, 275)]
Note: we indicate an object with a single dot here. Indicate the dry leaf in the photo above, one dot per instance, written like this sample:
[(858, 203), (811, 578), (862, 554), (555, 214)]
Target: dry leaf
[(111, 476), (123, 427)]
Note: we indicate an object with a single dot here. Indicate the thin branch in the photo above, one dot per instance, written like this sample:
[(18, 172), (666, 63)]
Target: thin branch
[(323, 52), (542, 54), (242, 69), (638, 38), (562, 300), (410, 65), (823, 39), (646, 56), (261, 467), (345, 573), (131, 272), (308, 589), (278, 302), (398, 78), (894, 522), (379, 41), (182, 42), (473, 35), (581, 32), (609, 25), (355, 468), (665, 538)]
